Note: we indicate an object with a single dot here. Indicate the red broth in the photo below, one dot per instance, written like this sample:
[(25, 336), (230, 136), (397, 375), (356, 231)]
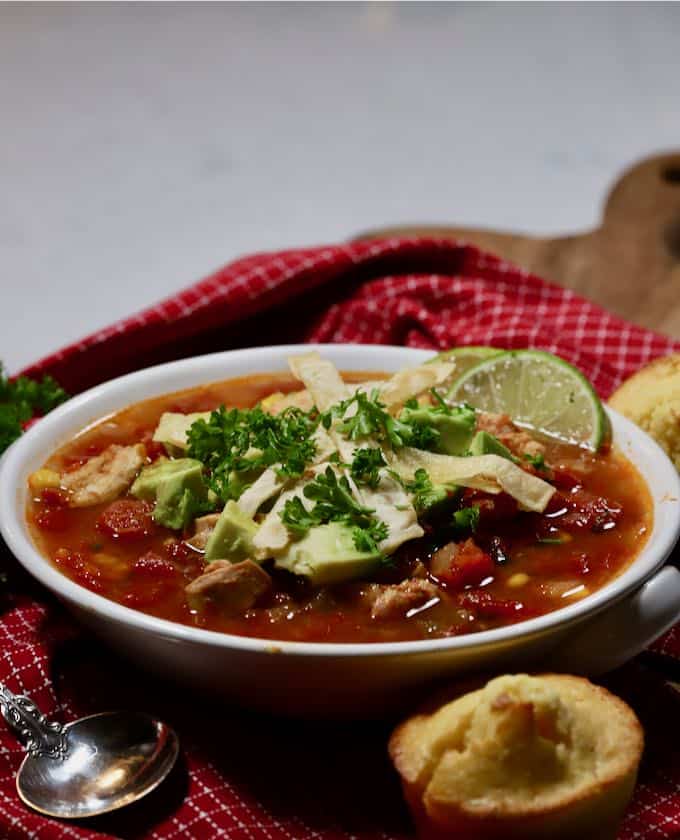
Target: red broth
[(594, 527)]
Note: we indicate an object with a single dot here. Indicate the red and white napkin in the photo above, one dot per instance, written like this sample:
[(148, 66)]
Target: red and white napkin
[(245, 777)]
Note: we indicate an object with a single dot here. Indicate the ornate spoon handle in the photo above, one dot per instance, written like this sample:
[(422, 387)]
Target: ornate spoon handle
[(39, 735)]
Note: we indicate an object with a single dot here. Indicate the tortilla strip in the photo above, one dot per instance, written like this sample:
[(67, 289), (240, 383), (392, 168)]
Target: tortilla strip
[(409, 382), (490, 473), (269, 483), (173, 427), (321, 378)]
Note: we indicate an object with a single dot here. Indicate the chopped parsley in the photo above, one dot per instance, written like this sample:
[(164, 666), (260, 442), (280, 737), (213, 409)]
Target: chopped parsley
[(536, 461), (366, 465), (424, 492), (21, 399), (333, 502), (466, 519), (235, 444)]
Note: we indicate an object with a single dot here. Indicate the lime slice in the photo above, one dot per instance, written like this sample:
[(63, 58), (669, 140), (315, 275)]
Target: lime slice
[(540, 392), (465, 358)]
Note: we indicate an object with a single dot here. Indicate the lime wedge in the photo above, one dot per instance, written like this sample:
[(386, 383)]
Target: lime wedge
[(540, 392), (465, 358)]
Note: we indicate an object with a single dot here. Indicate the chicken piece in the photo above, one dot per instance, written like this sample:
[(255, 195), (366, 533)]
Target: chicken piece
[(104, 477), (233, 587), (517, 440), (396, 601), (205, 525)]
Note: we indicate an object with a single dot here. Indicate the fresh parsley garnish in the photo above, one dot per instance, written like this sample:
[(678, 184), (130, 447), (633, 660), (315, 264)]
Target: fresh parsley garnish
[(466, 519), (333, 502), (536, 461), (424, 493), (235, 444), (21, 399), (366, 465)]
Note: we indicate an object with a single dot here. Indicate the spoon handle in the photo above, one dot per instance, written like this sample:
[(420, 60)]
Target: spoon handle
[(39, 735)]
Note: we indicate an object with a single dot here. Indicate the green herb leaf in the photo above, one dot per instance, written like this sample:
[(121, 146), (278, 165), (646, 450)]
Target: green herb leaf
[(536, 461), (365, 468), (238, 444), (466, 519), (424, 493), (334, 502), (20, 399)]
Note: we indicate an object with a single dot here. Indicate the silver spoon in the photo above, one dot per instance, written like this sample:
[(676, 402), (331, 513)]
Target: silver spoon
[(91, 766)]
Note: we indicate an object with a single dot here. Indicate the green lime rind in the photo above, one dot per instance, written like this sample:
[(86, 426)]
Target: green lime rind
[(539, 391), (465, 358)]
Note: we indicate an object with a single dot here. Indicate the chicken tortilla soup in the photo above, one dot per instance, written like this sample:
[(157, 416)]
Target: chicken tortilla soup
[(315, 507)]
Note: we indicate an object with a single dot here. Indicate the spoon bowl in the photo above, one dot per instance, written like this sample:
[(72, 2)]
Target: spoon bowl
[(111, 760), (91, 766)]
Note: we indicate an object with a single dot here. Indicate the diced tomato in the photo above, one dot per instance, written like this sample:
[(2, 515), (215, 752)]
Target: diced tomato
[(580, 509), (53, 519), (468, 566), (154, 566), (127, 519), (54, 497), (154, 450), (484, 605), (81, 571)]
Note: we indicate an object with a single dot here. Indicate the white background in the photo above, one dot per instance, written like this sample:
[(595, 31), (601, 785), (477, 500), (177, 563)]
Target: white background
[(142, 146)]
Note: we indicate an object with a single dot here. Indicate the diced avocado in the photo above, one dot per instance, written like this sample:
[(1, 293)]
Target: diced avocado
[(173, 427), (232, 537), (327, 554), (484, 443), (455, 425), (178, 489)]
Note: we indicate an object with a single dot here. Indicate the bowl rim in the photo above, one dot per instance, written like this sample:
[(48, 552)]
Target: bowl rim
[(42, 439)]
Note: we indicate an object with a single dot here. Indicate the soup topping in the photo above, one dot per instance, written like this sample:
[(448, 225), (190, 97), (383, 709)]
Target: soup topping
[(373, 511)]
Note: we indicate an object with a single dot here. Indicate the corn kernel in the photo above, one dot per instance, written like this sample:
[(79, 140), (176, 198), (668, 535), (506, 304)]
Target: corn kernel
[(518, 579), (43, 480), (270, 402)]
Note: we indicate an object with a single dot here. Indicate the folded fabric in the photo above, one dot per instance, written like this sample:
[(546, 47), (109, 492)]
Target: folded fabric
[(244, 776)]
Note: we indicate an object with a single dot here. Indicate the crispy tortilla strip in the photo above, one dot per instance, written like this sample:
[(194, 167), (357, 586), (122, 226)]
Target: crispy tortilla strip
[(409, 382), (173, 427), (490, 473), (321, 378), (270, 484), (390, 502), (272, 536)]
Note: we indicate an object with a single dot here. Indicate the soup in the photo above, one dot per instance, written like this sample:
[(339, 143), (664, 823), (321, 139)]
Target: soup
[(380, 516)]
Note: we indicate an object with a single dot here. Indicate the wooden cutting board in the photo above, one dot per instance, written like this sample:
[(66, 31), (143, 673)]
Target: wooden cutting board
[(630, 264)]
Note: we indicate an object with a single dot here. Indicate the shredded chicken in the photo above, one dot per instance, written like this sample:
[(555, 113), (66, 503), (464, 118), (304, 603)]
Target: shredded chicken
[(397, 600), (205, 525), (234, 587), (104, 477), (517, 440)]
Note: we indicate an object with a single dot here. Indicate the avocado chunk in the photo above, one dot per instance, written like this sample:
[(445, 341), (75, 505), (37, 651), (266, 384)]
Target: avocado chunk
[(484, 443), (232, 537), (178, 488), (455, 425), (327, 554)]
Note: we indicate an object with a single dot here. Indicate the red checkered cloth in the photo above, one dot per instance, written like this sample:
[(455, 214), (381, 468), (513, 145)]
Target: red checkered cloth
[(245, 777)]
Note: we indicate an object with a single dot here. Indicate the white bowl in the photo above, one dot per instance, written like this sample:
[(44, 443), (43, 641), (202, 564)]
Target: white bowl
[(590, 636)]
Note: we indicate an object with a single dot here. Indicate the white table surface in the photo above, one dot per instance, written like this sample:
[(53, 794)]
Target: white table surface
[(142, 146)]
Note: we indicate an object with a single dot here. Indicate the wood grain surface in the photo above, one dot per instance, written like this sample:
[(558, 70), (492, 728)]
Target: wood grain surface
[(630, 264)]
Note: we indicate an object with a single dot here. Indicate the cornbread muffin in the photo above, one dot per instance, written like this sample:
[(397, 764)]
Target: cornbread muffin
[(651, 398), (524, 757)]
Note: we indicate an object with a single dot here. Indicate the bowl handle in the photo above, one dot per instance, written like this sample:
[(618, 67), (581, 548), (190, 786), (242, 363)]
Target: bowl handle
[(624, 630)]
